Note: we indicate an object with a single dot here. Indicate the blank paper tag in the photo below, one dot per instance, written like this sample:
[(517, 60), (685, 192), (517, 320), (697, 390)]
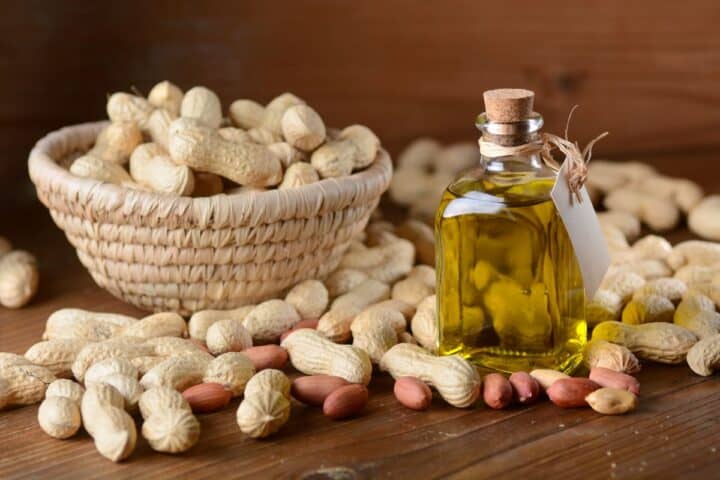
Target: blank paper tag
[(585, 233)]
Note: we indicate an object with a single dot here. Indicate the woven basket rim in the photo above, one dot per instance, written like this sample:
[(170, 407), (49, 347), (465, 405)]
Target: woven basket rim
[(109, 203)]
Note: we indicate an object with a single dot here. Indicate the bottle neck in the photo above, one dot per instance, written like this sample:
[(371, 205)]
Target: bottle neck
[(511, 140), (524, 162), (508, 135)]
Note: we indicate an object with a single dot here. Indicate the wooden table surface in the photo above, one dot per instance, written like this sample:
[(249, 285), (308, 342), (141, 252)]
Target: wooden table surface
[(675, 432)]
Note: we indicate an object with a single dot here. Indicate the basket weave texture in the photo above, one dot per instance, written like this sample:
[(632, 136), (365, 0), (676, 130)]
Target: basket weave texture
[(164, 253)]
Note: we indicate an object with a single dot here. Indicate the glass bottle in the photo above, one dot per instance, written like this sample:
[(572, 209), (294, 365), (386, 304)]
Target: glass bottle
[(510, 294)]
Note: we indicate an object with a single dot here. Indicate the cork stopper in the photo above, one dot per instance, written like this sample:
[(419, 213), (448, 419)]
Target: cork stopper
[(506, 105)]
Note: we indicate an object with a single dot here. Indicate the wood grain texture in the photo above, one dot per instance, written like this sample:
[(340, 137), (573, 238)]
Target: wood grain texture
[(647, 72), (674, 434)]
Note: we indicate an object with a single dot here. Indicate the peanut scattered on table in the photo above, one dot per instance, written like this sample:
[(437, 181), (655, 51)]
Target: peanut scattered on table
[(378, 298)]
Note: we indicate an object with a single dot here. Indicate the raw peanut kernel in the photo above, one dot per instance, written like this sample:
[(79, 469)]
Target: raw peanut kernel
[(612, 379), (314, 389), (413, 393), (546, 377), (612, 401), (207, 397), (309, 323), (200, 344), (345, 401), (497, 391), (525, 388), (267, 356), (571, 392)]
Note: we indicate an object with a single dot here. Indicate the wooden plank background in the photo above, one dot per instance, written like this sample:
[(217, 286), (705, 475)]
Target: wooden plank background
[(647, 71)]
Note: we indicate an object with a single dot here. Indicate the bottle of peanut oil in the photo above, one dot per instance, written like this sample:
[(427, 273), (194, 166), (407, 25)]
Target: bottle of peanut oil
[(510, 291)]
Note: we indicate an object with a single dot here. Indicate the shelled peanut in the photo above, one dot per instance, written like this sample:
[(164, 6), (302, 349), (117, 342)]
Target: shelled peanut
[(207, 397), (179, 144)]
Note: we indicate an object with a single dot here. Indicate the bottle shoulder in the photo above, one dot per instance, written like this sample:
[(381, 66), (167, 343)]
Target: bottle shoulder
[(508, 186)]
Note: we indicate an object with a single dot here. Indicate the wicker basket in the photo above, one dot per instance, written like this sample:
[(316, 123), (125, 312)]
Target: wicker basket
[(186, 254)]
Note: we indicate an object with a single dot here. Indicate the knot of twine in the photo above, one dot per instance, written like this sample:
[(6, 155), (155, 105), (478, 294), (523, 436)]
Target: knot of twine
[(577, 160)]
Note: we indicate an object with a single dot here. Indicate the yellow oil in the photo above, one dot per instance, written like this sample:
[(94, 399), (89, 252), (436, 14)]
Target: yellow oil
[(510, 293)]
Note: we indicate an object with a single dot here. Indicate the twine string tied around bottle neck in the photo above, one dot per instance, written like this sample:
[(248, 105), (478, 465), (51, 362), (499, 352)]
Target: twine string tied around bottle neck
[(577, 160)]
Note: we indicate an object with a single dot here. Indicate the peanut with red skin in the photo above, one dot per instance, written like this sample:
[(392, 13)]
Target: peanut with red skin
[(314, 389), (309, 323), (345, 402), (200, 344), (267, 356), (571, 392), (526, 389), (207, 397), (413, 393), (497, 391), (612, 379)]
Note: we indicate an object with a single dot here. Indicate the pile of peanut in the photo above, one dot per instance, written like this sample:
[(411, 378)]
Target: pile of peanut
[(423, 170), (631, 189), (375, 313), (639, 194), (19, 276), (97, 370), (660, 300), (179, 143)]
